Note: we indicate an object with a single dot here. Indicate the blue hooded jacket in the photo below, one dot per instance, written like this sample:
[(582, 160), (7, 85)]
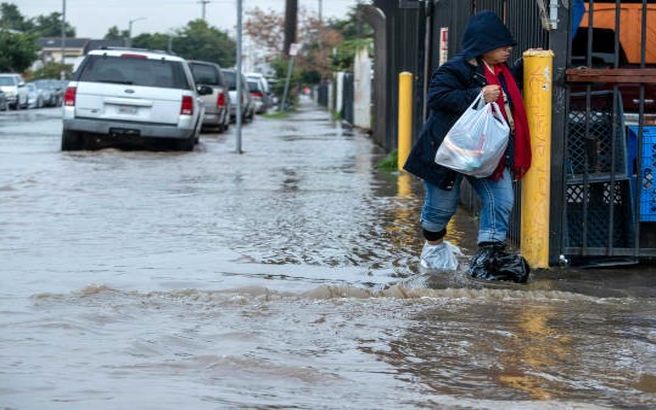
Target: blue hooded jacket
[(453, 87)]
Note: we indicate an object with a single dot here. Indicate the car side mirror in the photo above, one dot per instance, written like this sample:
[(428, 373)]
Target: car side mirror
[(21, 84), (204, 90)]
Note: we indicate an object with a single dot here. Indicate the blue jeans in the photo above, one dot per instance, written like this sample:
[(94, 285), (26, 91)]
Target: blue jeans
[(497, 200)]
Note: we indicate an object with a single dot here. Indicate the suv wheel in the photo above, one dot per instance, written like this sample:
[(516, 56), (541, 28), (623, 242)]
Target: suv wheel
[(71, 141), (187, 144)]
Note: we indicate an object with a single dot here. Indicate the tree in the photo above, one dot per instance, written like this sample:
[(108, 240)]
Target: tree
[(50, 26), (11, 18), (154, 41), (115, 34), (52, 70), (18, 51), (265, 28), (200, 41)]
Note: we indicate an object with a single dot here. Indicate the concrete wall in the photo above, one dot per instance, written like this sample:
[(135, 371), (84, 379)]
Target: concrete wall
[(339, 92), (362, 91)]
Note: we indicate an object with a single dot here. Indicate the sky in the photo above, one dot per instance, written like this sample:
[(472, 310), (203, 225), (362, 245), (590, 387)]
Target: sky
[(92, 18)]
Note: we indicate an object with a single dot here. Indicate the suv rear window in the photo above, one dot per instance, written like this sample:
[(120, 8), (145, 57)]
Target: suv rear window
[(205, 74), (134, 71), (253, 86), (231, 79)]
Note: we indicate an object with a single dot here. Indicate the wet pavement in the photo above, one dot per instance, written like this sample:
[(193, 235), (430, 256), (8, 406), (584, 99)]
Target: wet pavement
[(286, 277)]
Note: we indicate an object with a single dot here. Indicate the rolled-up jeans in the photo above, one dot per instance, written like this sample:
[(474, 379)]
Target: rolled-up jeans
[(497, 199)]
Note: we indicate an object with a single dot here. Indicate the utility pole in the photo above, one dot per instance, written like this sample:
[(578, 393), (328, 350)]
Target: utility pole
[(63, 32), (203, 4), (238, 78), (130, 29), (291, 17), (320, 13)]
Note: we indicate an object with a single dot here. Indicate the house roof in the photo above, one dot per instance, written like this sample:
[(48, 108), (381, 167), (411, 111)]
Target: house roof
[(55, 42), (97, 44)]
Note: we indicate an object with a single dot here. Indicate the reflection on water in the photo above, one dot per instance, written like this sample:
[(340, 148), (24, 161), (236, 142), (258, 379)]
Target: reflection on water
[(286, 277)]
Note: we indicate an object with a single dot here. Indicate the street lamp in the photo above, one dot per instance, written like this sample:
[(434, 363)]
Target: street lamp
[(130, 29)]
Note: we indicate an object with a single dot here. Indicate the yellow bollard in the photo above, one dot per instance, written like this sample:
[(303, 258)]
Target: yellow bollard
[(405, 118), (538, 78)]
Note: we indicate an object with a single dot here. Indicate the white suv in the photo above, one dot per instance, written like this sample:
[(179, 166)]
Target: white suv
[(129, 94)]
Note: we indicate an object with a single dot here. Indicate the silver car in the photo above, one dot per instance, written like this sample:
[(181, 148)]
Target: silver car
[(247, 105), (15, 91), (217, 104), (132, 95)]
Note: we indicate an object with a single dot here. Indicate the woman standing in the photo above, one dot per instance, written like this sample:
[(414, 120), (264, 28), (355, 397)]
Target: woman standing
[(480, 67)]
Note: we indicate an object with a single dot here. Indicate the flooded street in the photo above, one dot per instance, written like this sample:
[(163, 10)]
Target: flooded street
[(286, 277)]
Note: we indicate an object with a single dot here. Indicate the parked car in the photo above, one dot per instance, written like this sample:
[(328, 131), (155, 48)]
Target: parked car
[(258, 96), (267, 94), (217, 104), (132, 95), (34, 96), (13, 86), (48, 92), (248, 109)]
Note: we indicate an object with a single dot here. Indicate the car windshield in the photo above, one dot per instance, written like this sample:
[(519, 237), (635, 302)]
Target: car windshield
[(6, 81), (205, 74), (134, 71)]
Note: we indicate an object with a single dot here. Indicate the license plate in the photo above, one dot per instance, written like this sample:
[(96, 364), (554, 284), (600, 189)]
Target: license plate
[(127, 109), (124, 132)]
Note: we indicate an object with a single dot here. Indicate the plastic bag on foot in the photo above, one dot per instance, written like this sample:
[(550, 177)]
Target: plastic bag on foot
[(442, 256)]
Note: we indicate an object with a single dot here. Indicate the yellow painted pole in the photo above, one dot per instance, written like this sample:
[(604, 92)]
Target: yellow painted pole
[(538, 78), (405, 118)]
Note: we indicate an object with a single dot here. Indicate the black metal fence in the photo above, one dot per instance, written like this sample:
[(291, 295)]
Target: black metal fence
[(322, 94)]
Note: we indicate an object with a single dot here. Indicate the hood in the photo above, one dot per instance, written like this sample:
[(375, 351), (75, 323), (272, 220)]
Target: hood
[(485, 31)]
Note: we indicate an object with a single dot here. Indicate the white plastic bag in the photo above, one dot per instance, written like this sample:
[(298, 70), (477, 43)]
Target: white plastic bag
[(476, 142), (442, 257)]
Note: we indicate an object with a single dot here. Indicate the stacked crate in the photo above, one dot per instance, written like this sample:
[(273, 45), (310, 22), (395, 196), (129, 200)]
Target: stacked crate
[(597, 181)]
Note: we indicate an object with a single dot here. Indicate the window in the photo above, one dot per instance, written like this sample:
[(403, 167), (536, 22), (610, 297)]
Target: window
[(205, 74), (134, 71)]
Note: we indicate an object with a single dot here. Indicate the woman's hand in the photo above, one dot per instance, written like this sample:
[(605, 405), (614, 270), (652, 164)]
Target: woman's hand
[(491, 93)]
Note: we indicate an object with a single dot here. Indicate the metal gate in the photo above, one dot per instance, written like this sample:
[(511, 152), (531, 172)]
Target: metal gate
[(608, 191)]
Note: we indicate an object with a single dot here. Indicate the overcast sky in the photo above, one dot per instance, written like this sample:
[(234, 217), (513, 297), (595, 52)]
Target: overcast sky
[(92, 18)]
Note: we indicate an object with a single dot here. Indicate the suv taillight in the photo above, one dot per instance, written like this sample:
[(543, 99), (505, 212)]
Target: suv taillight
[(187, 106), (69, 96), (257, 94), (220, 100)]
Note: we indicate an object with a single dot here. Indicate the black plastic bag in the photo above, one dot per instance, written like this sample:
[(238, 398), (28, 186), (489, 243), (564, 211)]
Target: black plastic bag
[(494, 263)]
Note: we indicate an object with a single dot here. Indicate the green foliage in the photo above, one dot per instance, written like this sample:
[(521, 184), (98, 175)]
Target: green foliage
[(353, 26), (17, 52), (52, 70), (310, 77), (154, 41), (196, 41), (115, 34), (50, 26), (344, 55), (199, 41), (280, 66), (390, 162), (11, 18), (41, 26)]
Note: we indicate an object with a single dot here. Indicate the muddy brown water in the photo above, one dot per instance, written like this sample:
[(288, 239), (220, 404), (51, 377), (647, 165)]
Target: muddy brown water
[(286, 277)]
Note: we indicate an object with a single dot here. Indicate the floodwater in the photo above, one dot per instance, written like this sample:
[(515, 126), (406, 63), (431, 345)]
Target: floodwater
[(286, 277)]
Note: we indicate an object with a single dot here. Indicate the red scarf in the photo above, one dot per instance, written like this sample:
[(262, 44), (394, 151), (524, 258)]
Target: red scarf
[(522, 139)]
